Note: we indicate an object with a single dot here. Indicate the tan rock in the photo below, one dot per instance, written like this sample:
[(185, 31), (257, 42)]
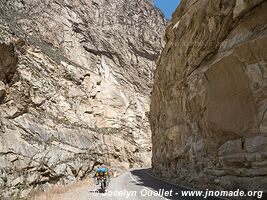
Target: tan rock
[(208, 105)]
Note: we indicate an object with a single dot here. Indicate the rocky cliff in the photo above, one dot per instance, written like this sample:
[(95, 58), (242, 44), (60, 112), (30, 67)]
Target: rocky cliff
[(208, 108), (75, 80)]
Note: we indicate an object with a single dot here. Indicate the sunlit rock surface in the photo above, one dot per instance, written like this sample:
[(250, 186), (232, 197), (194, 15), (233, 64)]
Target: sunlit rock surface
[(75, 81)]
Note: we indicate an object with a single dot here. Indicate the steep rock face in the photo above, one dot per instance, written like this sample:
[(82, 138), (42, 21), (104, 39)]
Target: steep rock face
[(209, 101), (75, 81)]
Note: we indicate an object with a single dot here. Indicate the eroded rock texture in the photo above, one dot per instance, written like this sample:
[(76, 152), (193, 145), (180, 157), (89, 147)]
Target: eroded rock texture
[(75, 79), (208, 110)]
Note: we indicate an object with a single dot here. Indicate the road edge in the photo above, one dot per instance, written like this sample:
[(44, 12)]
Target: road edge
[(186, 187), (153, 176)]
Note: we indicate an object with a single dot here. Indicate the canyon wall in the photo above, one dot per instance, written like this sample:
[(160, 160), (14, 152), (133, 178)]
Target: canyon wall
[(209, 101), (75, 80)]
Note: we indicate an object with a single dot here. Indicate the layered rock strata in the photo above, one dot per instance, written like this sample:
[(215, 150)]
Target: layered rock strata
[(75, 79)]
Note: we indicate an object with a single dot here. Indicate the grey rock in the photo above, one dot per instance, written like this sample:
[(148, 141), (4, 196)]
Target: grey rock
[(256, 143), (231, 147), (78, 77)]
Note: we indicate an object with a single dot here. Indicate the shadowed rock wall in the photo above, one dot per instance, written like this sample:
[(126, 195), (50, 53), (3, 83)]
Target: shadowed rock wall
[(209, 101)]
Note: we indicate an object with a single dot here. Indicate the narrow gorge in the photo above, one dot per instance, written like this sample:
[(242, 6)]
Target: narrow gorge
[(114, 81)]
